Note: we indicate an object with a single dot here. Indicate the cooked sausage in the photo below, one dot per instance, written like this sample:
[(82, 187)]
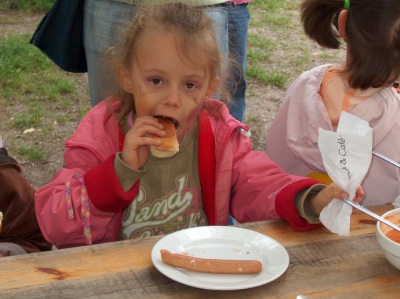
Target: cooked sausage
[(216, 266)]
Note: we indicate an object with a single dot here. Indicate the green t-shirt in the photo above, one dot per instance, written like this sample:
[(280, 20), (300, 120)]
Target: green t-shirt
[(169, 198)]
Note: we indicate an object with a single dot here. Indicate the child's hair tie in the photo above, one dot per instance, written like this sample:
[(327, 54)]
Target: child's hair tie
[(346, 4)]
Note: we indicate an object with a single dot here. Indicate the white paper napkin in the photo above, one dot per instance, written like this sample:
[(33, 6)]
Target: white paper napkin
[(346, 155)]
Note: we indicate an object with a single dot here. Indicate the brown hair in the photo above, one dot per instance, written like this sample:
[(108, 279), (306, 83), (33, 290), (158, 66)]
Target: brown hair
[(196, 42), (373, 37)]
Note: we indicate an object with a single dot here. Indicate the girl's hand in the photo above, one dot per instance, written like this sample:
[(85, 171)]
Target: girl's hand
[(323, 198), (137, 145)]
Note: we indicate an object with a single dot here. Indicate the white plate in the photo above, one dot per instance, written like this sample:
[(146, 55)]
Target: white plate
[(222, 242)]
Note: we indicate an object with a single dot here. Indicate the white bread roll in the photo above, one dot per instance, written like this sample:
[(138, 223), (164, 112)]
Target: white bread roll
[(170, 145)]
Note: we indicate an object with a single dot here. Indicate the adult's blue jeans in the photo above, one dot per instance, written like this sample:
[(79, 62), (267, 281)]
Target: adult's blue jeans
[(104, 22), (238, 24)]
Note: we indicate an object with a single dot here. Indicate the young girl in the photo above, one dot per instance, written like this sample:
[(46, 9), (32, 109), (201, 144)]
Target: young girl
[(363, 86), (112, 188)]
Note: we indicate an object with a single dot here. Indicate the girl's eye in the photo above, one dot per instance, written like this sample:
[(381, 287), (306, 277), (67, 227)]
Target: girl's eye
[(190, 85), (156, 81)]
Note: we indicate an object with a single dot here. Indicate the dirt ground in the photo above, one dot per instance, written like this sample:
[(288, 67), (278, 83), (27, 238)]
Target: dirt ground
[(262, 103)]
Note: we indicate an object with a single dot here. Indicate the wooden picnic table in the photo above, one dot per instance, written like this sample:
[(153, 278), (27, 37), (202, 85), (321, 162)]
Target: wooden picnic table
[(322, 265)]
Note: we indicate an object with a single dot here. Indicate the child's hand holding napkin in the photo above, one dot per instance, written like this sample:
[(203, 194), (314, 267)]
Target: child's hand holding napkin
[(347, 155)]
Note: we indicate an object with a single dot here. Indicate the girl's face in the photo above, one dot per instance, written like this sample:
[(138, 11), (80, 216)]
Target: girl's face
[(162, 83)]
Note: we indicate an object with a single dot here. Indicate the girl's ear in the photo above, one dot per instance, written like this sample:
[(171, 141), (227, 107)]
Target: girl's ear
[(124, 79), (342, 23), (212, 88)]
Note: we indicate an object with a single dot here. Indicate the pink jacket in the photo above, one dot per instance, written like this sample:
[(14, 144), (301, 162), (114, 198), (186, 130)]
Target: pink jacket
[(235, 180), (292, 140)]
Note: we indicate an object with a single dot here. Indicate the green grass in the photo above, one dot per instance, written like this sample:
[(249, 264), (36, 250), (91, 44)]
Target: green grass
[(32, 153), (262, 67), (256, 40), (26, 5), (37, 95), (24, 70), (27, 74), (274, 5), (32, 117), (278, 22), (267, 76)]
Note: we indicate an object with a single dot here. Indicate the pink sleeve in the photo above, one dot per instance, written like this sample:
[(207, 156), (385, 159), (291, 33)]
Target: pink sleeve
[(263, 191), (257, 182), (286, 208), (105, 190), (83, 203), (61, 221)]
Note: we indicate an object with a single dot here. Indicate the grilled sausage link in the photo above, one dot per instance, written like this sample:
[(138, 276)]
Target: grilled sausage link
[(216, 266)]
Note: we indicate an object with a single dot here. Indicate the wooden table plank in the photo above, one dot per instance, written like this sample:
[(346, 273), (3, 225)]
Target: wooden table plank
[(88, 261), (309, 272), (286, 235), (322, 265)]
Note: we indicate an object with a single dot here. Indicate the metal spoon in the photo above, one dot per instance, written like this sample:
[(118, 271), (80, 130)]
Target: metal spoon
[(372, 214), (387, 159)]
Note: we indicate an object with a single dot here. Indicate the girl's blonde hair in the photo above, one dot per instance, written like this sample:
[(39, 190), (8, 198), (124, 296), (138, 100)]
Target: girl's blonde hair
[(373, 37), (196, 42)]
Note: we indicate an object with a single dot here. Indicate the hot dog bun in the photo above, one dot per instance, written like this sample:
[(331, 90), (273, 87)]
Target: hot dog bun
[(170, 145)]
